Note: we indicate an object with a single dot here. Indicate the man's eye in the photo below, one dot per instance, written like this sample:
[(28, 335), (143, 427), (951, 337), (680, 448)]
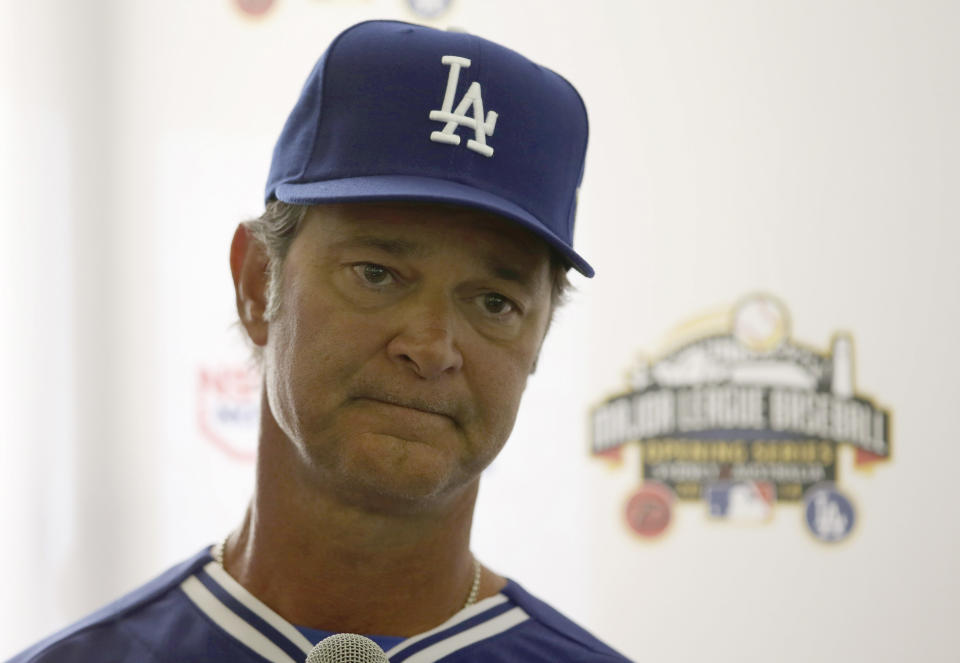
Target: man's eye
[(373, 273), (497, 304)]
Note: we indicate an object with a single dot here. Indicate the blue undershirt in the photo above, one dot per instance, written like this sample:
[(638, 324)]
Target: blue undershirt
[(314, 635)]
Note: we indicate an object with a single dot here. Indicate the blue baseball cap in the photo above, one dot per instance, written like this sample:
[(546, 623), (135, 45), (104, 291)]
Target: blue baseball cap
[(396, 111)]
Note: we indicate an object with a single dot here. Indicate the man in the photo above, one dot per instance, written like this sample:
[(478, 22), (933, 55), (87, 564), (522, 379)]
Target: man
[(397, 291)]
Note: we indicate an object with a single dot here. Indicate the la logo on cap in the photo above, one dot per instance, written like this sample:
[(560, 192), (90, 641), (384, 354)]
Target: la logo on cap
[(454, 118)]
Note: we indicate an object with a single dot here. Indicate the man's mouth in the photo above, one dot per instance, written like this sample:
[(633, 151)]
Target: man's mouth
[(420, 405)]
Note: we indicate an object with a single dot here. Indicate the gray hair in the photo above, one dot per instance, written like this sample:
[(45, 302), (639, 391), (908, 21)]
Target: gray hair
[(279, 225), (275, 230)]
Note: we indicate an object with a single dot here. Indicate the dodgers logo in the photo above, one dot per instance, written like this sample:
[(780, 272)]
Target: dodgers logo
[(453, 118), (828, 512)]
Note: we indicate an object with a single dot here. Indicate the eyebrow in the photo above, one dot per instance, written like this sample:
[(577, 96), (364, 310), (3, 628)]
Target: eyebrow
[(407, 249), (397, 247), (501, 271)]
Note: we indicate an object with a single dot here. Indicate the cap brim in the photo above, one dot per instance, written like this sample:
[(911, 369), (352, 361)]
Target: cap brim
[(403, 187)]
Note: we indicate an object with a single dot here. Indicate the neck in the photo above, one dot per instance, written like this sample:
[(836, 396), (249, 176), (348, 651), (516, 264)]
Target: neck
[(321, 563)]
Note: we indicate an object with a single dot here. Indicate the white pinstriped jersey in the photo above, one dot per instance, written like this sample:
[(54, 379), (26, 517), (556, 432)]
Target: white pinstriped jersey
[(196, 612)]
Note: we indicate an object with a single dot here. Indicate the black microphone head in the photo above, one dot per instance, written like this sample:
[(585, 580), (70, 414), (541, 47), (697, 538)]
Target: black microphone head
[(347, 648)]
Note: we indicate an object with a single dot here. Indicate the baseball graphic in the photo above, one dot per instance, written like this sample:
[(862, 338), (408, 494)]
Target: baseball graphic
[(760, 323)]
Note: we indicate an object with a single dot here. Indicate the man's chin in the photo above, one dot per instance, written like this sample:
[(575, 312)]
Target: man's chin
[(391, 474)]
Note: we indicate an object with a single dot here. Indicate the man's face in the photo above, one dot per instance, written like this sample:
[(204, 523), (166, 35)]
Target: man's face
[(402, 346)]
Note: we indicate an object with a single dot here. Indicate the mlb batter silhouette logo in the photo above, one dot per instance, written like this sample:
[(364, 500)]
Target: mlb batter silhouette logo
[(482, 126)]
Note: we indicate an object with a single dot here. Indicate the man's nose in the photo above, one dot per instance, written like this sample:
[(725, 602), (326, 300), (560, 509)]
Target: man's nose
[(426, 342)]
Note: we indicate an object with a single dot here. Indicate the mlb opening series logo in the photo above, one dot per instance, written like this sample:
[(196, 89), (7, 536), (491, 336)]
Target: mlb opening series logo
[(741, 419)]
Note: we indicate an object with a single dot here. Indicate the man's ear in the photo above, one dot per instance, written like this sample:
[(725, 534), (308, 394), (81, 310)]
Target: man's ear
[(248, 264)]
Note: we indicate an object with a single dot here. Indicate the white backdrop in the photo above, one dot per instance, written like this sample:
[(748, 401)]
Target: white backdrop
[(808, 149)]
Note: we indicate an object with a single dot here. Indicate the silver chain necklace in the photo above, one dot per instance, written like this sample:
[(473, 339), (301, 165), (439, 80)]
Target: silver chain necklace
[(471, 596)]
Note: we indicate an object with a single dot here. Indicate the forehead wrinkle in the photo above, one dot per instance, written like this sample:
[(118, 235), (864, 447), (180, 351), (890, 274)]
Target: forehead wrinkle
[(394, 246), (512, 257)]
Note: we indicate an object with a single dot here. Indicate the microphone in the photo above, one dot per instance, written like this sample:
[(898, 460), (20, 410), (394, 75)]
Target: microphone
[(347, 648)]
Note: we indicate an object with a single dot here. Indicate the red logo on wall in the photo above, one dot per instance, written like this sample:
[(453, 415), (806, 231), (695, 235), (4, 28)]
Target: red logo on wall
[(648, 510), (254, 7), (228, 408)]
